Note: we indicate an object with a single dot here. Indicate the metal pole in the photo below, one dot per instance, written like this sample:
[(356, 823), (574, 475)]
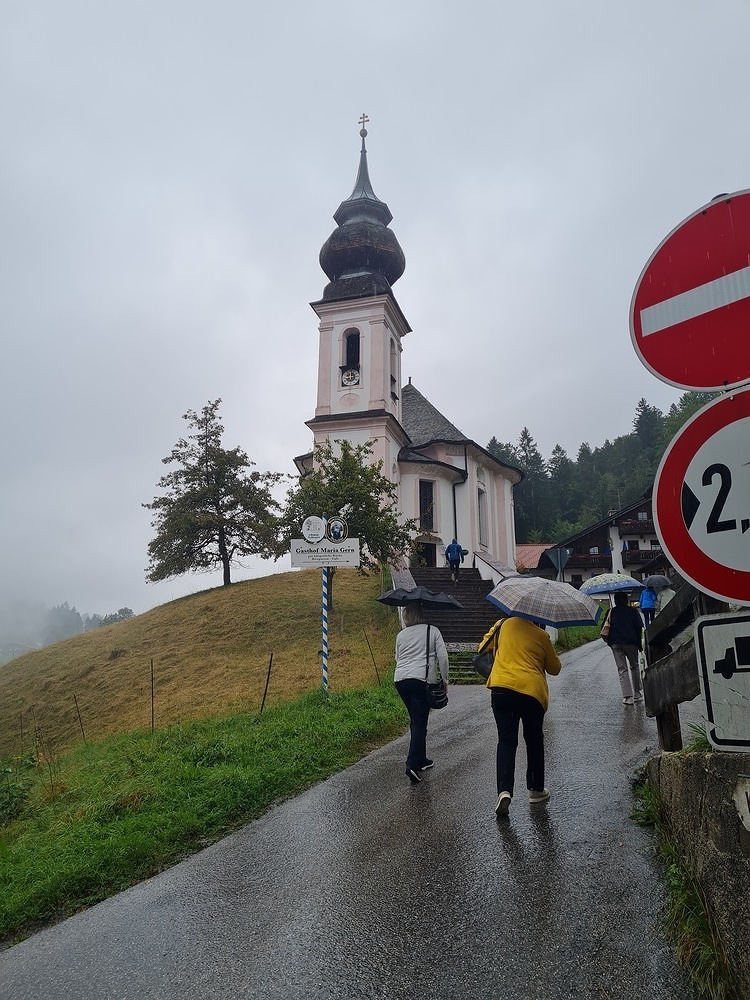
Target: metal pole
[(325, 622)]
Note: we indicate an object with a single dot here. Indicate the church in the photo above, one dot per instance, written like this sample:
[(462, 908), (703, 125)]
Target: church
[(450, 485)]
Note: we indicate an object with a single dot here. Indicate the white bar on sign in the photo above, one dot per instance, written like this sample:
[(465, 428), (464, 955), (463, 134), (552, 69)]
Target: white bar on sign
[(697, 302)]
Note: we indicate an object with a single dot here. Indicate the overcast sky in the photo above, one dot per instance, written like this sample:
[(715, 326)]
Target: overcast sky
[(168, 174)]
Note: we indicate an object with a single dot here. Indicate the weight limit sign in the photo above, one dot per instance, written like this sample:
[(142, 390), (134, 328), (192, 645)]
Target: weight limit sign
[(702, 499)]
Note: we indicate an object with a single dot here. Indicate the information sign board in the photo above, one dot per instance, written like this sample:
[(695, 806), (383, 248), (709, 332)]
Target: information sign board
[(722, 647), (324, 553)]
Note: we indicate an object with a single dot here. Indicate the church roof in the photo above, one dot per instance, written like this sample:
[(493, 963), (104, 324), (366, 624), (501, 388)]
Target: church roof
[(423, 422), (362, 256)]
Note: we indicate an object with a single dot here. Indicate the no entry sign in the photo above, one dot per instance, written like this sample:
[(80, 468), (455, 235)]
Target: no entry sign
[(690, 312), (702, 499)]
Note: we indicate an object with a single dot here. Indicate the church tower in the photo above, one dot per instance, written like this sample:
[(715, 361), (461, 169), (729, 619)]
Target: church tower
[(361, 327)]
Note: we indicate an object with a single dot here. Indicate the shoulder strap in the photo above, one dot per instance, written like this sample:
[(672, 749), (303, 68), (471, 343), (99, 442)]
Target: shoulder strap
[(427, 653), (493, 637)]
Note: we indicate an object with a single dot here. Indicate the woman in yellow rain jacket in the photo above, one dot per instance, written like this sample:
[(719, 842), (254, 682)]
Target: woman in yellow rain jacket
[(518, 685)]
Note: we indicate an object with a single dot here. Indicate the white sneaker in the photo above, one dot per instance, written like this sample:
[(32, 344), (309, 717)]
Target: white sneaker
[(538, 796), (503, 804), (638, 696), (627, 701)]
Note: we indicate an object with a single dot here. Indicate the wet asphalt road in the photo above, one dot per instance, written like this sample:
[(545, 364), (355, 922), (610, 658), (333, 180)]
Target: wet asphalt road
[(369, 887)]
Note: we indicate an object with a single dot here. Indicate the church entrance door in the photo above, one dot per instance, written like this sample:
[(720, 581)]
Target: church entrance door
[(427, 554)]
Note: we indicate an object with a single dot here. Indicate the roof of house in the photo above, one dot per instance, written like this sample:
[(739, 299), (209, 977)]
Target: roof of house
[(528, 556)]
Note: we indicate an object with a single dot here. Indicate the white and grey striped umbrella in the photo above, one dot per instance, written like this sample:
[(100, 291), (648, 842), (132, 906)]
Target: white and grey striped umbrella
[(548, 602)]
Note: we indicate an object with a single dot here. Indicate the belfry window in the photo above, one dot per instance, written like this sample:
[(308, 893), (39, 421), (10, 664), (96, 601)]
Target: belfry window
[(351, 348), (350, 367)]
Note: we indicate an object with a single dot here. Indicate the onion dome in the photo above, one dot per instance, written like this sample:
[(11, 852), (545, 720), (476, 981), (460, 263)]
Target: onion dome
[(362, 256)]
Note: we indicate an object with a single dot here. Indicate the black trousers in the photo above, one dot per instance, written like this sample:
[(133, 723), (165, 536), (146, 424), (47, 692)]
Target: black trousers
[(510, 708), (414, 695)]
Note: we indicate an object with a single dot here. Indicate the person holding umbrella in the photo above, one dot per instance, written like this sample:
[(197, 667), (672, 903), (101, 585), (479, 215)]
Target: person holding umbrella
[(421, 656), (624, 639), (518, 680), (519, 694)]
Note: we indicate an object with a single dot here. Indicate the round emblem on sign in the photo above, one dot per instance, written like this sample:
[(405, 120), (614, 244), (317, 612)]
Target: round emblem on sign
[(338, 530), (702, 499), (313, 529)]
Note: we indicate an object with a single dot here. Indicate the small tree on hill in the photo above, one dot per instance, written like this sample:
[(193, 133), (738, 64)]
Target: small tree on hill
[(214, 509), (347, 482)]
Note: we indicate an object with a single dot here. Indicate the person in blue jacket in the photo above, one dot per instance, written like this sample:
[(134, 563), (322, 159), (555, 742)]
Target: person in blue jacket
[(455, 556), (647, 604)]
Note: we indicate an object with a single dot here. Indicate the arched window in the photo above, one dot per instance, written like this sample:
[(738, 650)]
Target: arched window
[(394, 371), (350, 366), (482, 512), (351, 348)]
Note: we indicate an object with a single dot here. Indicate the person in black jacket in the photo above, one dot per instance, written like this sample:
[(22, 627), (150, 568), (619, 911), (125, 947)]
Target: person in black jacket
[(625, 639)]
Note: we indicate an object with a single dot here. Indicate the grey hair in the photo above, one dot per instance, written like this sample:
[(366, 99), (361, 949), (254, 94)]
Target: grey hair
[(413, 615)]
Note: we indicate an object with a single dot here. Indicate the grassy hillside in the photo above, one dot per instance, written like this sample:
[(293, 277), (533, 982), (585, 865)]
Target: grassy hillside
[(210, 655)]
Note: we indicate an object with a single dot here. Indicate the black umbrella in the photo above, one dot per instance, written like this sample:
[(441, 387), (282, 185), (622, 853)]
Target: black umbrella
[(425, 598), (657, 581)]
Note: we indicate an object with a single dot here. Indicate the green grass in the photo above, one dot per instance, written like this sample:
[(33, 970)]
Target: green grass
[(687, 921), (109, 814), (577, 635)]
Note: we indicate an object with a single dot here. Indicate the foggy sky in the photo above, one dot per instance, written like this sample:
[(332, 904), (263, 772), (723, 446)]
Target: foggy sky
[(168, 174)]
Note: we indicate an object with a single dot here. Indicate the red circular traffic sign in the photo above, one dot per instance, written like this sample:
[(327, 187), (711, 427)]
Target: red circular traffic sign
[(702, 499), (690, 311)]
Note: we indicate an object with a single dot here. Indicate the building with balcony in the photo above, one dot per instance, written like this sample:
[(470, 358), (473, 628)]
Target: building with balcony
[(625, 541)]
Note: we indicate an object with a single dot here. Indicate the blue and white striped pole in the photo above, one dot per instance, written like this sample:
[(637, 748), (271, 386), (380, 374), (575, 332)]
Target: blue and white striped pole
[(325, 620)]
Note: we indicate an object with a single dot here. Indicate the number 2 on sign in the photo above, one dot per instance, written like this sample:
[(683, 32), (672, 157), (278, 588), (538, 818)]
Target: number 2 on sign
[(714, 522)]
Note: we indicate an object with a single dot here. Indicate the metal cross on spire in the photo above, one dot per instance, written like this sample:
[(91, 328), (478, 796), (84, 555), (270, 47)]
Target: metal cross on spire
[(363, 121)]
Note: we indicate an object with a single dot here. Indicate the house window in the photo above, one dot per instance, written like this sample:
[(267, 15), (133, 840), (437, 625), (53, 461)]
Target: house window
[(482, 511), (633, 546), (642, 515), (594, 550), (655, 543), (576, 579), (426, 504)]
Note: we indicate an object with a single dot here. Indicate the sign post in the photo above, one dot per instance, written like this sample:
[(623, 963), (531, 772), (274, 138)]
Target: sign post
[(325, 543), (324, 658)]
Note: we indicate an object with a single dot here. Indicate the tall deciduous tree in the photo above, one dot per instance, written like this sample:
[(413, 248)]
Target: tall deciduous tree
[(214, 510), (346, 481)]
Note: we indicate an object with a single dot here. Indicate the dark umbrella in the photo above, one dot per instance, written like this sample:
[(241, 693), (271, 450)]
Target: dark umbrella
[(657, 581), (425, 598)]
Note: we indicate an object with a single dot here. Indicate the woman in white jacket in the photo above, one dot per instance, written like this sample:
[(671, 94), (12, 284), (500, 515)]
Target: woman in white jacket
[(411, 677)]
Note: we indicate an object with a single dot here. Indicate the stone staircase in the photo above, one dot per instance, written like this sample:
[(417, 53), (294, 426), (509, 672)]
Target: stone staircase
[(462, 629)]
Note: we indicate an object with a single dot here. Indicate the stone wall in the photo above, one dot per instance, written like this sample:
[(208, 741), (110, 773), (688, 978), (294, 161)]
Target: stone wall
[(706, 798)]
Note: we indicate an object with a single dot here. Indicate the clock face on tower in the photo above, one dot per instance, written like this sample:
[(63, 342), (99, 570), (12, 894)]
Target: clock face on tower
[(350, 377)]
